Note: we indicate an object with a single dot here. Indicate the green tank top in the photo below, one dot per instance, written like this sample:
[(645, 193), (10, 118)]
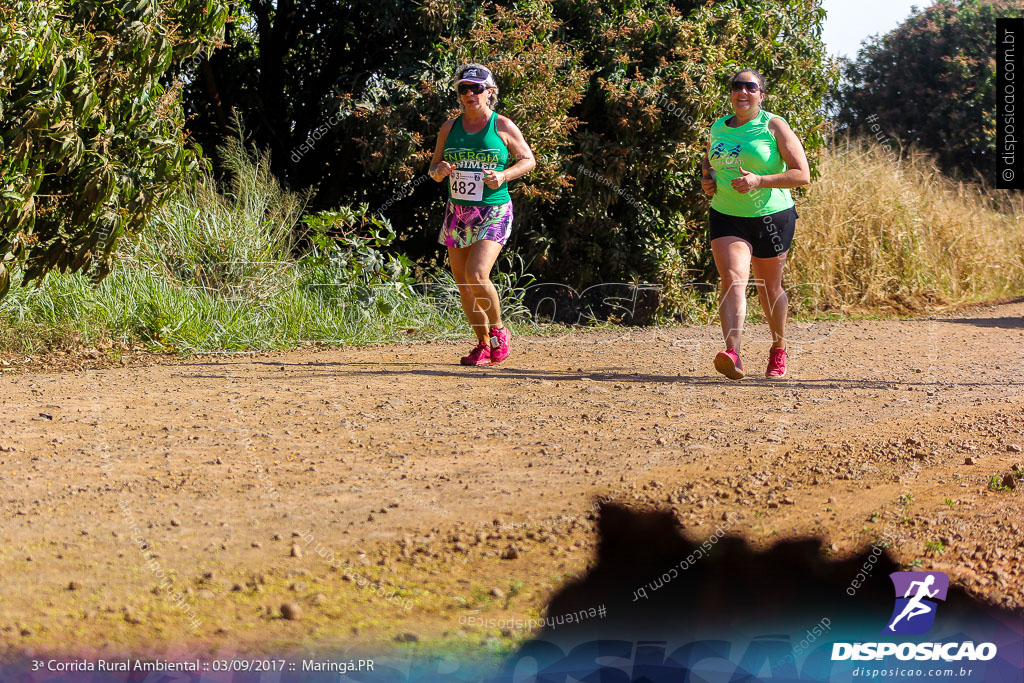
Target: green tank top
[(753, 147), (471, 153)]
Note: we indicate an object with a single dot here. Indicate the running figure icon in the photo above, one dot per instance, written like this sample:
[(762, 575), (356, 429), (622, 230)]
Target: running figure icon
[(917, 594), (915, 607)]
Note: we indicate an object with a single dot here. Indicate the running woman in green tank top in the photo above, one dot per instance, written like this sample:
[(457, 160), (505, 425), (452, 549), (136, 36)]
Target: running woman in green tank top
[(473, 153), (753, 160)]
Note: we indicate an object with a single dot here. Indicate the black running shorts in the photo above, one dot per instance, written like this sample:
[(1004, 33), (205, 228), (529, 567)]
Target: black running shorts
[(769, 235)]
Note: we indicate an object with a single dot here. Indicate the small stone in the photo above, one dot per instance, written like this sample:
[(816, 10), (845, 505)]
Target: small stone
[(257, 544), (407, 638), (130, 616), (276, 537), (74, 586), (496, 593), (318, 599), (1009, 481), (968, 460), (237, 587), (510, 553), (291, 611), (205, 595), (175, 522), (1012, 448), (296, 551), (299, 586)]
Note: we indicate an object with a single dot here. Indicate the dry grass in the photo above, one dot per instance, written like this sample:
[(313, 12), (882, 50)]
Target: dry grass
[(881, 234)]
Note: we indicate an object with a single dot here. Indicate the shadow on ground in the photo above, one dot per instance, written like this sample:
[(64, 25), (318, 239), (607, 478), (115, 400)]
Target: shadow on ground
[(1006, 323), (679, 608)]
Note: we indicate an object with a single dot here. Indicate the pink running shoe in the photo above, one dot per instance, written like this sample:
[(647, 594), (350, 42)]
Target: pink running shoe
[(480, 355), (776, 364), (500, 338), (728, 363)]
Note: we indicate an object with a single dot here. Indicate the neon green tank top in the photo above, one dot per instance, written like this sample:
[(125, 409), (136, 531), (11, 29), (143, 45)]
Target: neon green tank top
[(753, 147), (471, 153)]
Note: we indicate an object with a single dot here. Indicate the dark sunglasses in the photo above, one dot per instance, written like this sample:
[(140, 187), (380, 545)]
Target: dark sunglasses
[(474, 88), (749, 86)]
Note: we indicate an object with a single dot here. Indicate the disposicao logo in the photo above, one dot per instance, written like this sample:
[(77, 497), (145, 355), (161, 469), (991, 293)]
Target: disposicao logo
[(913, 614), (915, 608)]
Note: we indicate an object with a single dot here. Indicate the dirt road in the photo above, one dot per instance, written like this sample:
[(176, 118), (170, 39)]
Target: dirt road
[(389, 494)]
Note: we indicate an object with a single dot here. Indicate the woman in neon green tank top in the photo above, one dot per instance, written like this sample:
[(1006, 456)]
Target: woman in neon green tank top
[(473, 152), (753, 159)]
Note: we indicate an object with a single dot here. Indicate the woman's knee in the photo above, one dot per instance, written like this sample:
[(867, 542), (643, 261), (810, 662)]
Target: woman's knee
[(771, 288), (460, 279), (776, 296), (476, 275), (734, 281)]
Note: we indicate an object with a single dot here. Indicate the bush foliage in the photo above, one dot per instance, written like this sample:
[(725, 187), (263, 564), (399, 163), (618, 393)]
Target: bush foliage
[(91, 141), (219, 267)]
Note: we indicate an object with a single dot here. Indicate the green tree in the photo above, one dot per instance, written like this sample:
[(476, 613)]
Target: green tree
[(91, 140), (930, 82), (291, 69)]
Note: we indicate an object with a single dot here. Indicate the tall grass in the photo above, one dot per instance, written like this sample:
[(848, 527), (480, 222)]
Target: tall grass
[(235, 268), (231, 269), (883, 235)]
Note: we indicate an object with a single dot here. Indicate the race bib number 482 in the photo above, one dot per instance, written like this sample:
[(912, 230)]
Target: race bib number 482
[(467, 185)]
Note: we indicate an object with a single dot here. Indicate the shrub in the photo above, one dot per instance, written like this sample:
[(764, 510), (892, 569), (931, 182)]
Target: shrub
[(91, 141)]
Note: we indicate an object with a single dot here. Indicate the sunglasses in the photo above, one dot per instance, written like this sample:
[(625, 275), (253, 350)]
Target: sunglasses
[(474, 88), (749, 86)]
